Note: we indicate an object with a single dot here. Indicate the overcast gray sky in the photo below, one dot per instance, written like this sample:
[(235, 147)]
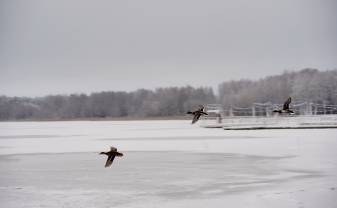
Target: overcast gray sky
[(73, 46)]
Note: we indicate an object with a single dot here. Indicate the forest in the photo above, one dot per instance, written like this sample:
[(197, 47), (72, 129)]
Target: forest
[(309, 85)]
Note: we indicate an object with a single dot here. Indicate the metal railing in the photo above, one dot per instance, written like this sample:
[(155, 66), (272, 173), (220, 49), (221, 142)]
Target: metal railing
[(261, 114)]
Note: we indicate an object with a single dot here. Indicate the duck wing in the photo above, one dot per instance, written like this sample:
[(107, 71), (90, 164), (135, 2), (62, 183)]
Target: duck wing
[(196, 118), (109, 160), (286, 104)]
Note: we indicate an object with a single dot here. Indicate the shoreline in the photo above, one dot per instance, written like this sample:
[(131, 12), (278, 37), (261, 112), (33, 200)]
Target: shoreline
[(106, 119)]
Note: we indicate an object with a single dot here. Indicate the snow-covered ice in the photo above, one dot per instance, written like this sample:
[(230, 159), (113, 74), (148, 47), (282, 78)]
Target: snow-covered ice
[(166, 164)]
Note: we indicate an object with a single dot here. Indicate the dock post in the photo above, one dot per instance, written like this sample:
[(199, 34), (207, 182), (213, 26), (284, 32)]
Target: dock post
[(231, 114)]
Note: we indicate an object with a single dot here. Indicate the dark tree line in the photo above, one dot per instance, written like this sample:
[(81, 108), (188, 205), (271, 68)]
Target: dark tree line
[(173, 101), (306, 85)]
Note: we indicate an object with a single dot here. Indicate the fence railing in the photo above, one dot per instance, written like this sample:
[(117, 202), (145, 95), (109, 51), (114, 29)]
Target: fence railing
[(261, 114), (266, 109)]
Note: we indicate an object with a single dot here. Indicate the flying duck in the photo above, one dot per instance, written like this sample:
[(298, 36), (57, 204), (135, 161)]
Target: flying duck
[(197, 114), (285, 108), (111, 155)]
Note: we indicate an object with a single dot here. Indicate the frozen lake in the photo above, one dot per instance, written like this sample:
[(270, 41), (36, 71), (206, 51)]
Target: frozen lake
[(165, 164)]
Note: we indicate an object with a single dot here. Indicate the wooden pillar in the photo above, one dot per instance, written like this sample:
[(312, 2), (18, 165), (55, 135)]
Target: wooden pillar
[(315, 109), (310, 108), (231, 114), (267, 110)]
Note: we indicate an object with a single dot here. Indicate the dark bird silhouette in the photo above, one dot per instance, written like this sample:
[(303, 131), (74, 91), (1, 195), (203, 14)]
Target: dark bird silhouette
[(111, 155), (285, 107), (197, 114)]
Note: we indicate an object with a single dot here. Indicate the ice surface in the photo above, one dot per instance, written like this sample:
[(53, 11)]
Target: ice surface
[(166, 164)]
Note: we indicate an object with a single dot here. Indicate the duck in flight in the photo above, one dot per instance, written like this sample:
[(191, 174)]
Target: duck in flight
[(285, 108), (111, 155), (197, 114)]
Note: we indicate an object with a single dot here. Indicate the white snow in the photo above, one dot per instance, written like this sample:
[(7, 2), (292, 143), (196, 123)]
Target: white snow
[(262, 168)]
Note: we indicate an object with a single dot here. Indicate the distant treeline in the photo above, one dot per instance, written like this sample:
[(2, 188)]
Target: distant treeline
[(309, 85), (142, 103), (306, 85)]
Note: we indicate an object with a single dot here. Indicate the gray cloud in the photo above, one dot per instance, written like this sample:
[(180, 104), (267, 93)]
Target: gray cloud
[(84, 46)]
